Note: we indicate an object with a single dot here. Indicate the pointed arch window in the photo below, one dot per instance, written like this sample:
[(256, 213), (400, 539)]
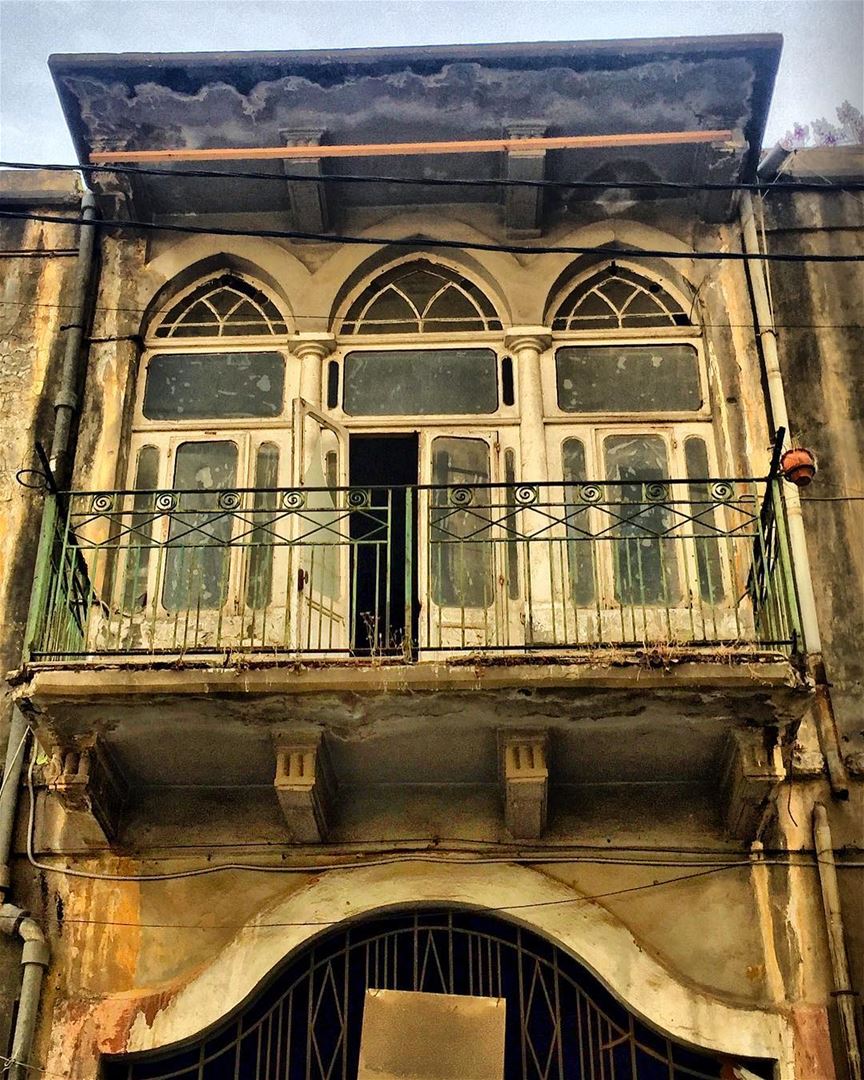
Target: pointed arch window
[(420, 297), (224, 306), (619, 299)]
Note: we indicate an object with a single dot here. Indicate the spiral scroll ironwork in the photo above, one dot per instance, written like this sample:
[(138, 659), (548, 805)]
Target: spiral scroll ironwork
[(102, 503)]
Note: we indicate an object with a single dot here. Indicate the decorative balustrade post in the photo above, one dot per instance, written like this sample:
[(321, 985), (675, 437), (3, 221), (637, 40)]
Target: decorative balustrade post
[(528, 343)]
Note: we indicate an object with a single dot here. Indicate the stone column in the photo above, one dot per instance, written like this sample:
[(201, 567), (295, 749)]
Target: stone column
[(312, 350), (527, 343)]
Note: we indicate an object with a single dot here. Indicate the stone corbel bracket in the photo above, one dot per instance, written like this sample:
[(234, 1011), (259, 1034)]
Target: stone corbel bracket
[(525, 782), (753, 766), (87, 779), (308, 200), (523, 206), (306, 789)]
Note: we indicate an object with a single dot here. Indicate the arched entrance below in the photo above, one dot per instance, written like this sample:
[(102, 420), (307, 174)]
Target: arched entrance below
[(306, 1021)]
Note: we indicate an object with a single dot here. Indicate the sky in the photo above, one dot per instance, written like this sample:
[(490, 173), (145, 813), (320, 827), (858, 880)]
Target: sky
[(822, 63)]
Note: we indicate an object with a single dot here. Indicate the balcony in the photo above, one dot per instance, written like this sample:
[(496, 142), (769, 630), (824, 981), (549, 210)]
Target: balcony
[(417, 573), (627, 632)]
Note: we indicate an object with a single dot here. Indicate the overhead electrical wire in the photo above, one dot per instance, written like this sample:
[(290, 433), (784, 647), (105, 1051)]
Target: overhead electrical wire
[(428, 856), (424, 244), (296, 316), (467, 182)]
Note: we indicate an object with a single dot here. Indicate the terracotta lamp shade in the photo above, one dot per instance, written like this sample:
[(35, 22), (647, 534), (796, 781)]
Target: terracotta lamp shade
[(798, 466)]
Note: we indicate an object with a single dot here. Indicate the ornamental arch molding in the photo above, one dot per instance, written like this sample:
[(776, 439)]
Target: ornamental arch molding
[(562, 272), (193, 260), (352, 266), (586, 931)]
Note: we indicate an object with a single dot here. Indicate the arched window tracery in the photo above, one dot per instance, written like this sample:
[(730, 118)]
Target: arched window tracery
[(617, 298), (223, 306), (420, 297)]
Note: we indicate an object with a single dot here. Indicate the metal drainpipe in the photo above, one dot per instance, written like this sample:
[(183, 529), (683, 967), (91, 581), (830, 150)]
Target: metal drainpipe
[(14, 920), (843, 991), (35, 957), (66, 400), (822, 712), (780, 418), (16, 751)]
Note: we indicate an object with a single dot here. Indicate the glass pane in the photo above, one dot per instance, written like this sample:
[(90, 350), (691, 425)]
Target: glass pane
[(646, 561), (593, 312), (389, 313), (645, 310), (259, 583), (199, 320), (628, 378), (452, 311), (459, 535), (421, 286), (414, 382), (197, 562), (322, 527), (230, 385), (580, 543), (141, 529), (244, 318), (703, 510)]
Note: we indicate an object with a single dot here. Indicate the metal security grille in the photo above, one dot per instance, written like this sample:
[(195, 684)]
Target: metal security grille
[(306, 1024)]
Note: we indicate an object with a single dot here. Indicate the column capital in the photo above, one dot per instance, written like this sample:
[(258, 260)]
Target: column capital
[(312, 344), (538, 338)]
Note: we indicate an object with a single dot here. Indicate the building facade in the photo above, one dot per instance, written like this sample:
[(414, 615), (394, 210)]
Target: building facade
[(430, 670)]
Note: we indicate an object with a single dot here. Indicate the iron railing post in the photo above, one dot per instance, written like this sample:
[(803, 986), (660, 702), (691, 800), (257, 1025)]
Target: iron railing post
[(38, 614), (408, 641), (790, 590)]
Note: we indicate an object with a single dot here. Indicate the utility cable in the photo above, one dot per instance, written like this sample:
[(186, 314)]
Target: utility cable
[(426, 244), (757, 187), (388, 860), (297, 316), (335, 922)]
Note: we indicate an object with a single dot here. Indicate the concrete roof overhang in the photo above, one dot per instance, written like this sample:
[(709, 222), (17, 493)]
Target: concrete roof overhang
[(133, 102)]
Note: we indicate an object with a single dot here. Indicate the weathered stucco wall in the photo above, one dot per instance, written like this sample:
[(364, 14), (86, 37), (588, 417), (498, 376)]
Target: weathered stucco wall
[(820, 319), (821, 342), (35, 268), (123, 952)]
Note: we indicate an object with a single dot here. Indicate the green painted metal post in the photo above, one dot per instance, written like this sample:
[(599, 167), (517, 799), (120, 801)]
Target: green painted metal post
[(38, 614)]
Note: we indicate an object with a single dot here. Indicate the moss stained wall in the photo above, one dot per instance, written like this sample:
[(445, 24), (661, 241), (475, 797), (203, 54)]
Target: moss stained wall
[(35, 269)]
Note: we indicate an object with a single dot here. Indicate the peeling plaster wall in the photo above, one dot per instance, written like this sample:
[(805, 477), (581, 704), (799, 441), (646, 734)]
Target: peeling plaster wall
[(106, 980), (818, 309), (31, 350)]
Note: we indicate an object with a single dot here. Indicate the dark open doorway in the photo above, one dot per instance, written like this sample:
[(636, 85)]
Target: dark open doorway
[(384, 464)]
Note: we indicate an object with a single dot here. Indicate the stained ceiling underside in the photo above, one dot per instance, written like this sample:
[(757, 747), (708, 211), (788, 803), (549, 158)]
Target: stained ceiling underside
[(238, 100)]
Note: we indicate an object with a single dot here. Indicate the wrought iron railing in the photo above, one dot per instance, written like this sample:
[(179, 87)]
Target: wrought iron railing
[(498, 568)]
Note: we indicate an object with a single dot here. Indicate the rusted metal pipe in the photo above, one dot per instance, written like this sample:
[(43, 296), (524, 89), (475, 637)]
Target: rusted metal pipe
[(843, 991), (780, 418), (15, 752), (35, 957)]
